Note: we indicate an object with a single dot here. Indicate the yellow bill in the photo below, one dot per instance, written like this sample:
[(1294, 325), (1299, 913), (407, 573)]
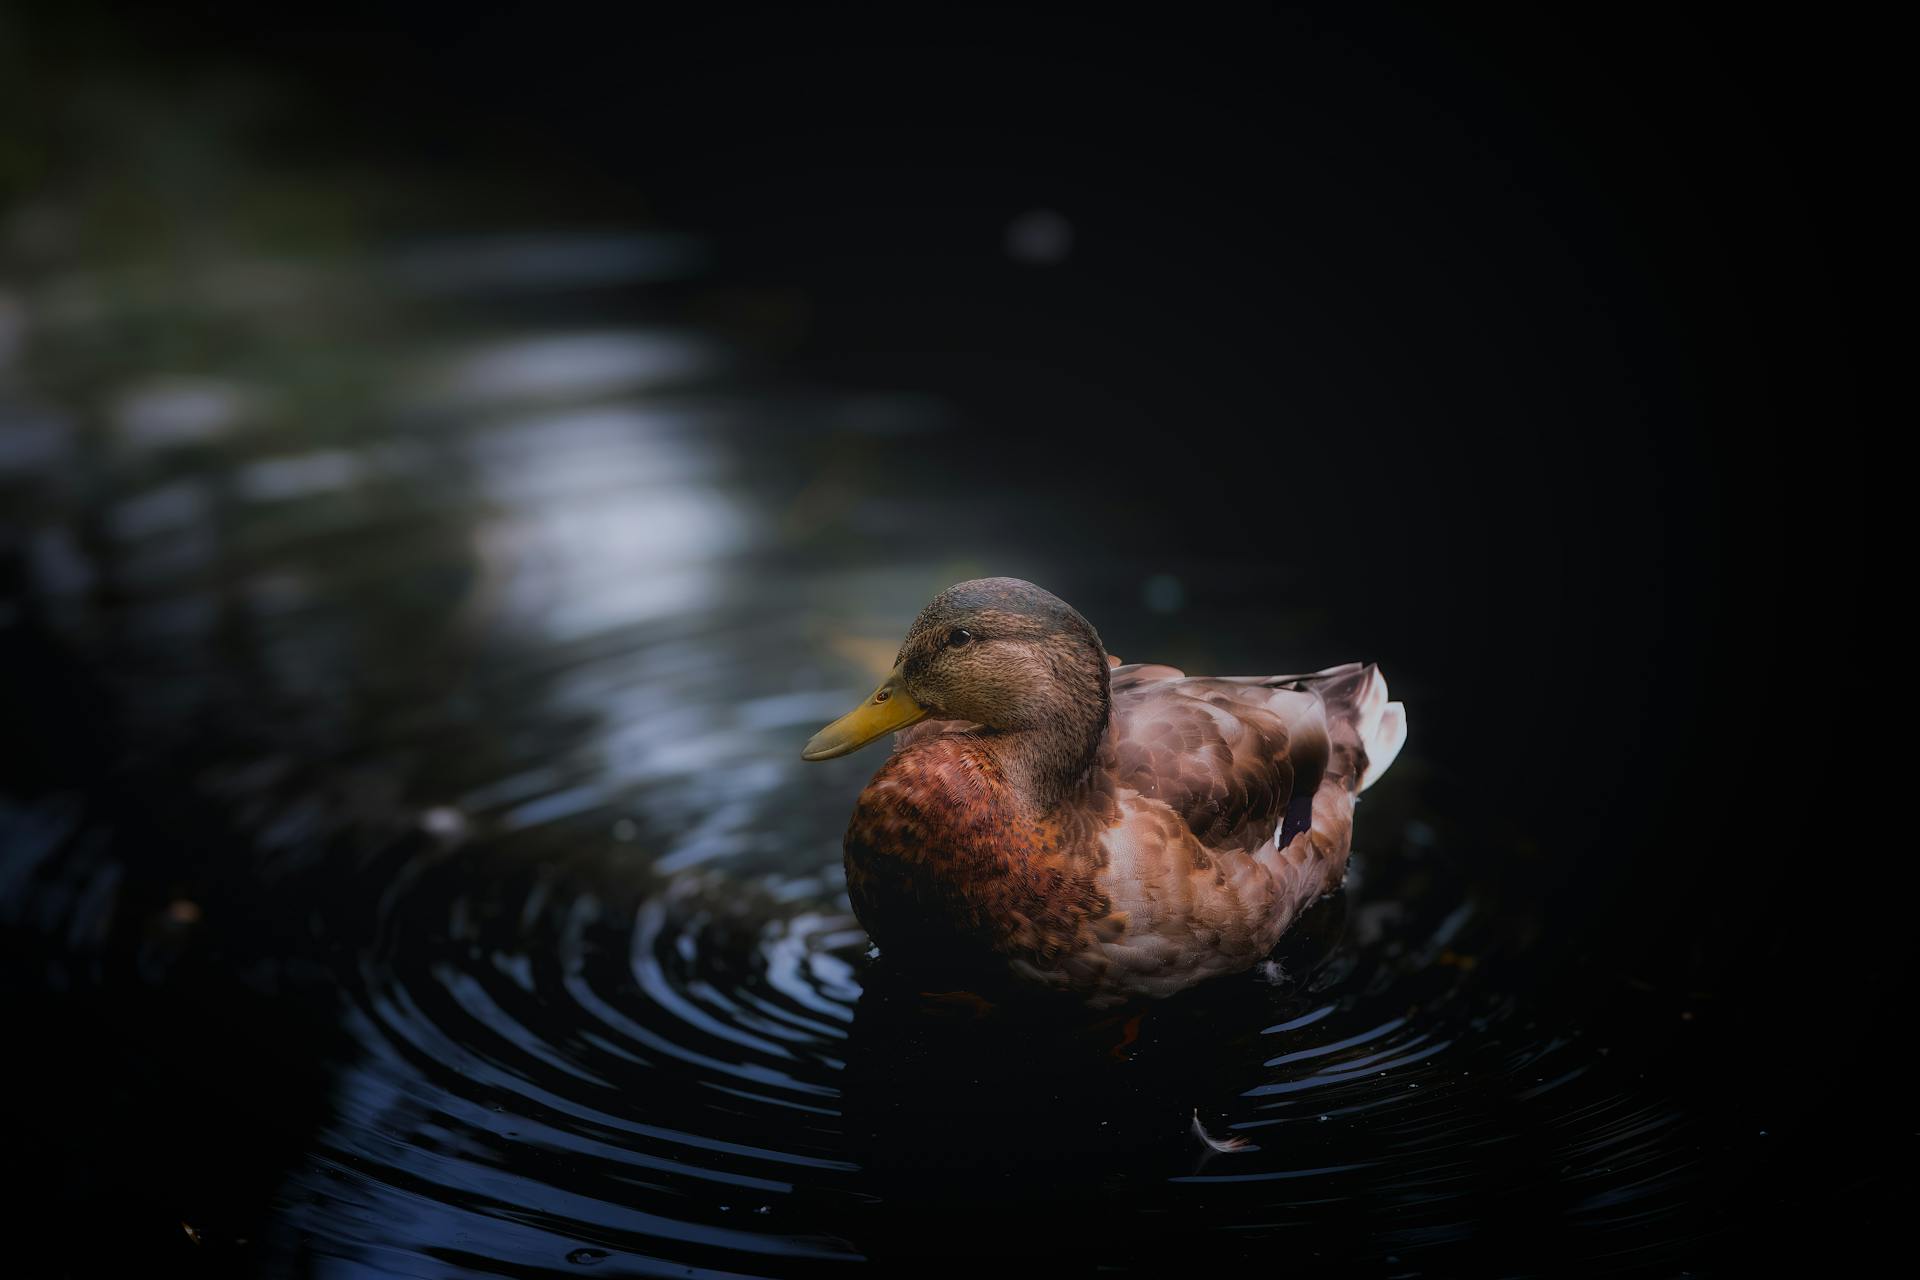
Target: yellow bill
[(890, 707)]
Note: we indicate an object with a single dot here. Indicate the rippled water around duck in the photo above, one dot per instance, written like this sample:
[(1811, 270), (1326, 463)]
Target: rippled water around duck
[(461, 623)]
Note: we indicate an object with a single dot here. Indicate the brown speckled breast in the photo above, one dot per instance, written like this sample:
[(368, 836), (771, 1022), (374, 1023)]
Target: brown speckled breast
[(945, 864)]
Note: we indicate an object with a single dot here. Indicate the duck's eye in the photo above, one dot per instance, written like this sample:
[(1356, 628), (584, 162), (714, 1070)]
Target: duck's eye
[(959, 637)]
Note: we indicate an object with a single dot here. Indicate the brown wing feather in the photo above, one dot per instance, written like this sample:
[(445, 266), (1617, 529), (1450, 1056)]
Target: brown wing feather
[(1205, 771), (1226, 756)]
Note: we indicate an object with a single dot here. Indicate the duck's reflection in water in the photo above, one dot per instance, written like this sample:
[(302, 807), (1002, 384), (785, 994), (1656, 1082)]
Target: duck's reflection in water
[(1008, 1123)]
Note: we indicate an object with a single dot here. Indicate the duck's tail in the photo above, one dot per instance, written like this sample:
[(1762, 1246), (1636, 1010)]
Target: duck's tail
[(1359, 715)]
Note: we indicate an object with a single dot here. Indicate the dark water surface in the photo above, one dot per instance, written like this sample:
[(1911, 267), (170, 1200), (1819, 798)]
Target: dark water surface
[(467, 717), (407, 867)]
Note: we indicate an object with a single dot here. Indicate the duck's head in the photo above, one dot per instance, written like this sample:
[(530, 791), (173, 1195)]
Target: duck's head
[(998, 652)]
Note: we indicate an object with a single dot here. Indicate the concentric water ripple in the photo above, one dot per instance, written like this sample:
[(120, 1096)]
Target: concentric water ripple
[(654, 1077)]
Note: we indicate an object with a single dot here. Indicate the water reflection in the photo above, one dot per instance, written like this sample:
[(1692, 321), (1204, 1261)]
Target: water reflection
[(603, 517), (483, 661)]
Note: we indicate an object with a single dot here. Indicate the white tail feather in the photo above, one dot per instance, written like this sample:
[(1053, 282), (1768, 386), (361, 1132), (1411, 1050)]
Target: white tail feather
[(1383, 728), (1357, 692)]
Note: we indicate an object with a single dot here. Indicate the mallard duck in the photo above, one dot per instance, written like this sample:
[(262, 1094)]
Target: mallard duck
[(1101, 830)]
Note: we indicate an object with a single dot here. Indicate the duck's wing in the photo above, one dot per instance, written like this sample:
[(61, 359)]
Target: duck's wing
[(1367, 729), (1202, 772), (1233, 811), (1226, 755)]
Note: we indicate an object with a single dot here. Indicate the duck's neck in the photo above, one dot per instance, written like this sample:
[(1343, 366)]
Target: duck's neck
[(1045, 761)]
